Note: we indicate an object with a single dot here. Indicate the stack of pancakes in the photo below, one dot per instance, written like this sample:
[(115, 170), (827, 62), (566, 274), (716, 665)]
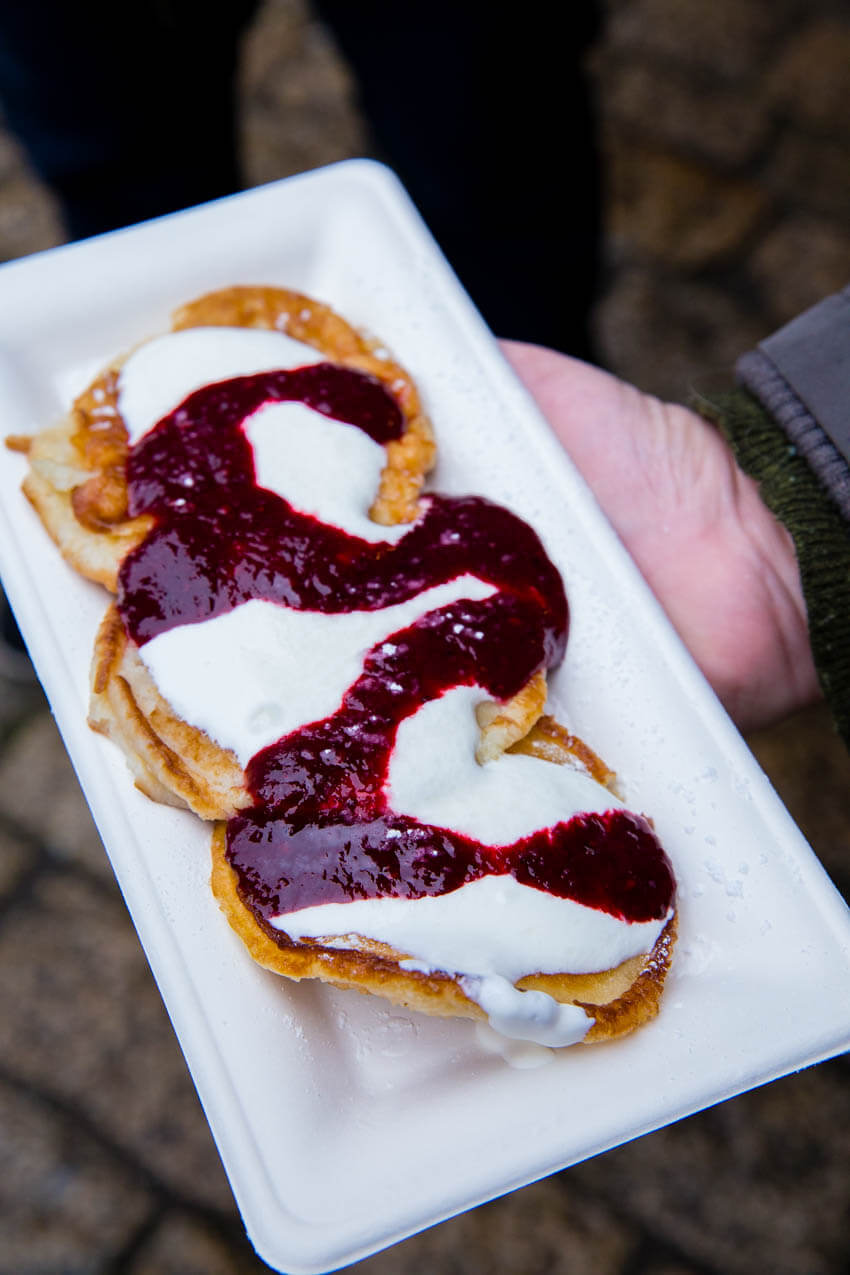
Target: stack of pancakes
[(77, 482)]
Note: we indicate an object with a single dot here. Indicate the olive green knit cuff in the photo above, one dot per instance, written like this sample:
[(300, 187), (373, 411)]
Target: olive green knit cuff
[(821, 535)]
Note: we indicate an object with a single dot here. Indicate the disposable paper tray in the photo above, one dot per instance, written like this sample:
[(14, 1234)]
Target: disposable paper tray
[(345, 1125)]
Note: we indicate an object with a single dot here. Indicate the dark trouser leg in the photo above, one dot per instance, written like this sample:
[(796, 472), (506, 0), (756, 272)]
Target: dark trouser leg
[(126, 114), (489, 125)]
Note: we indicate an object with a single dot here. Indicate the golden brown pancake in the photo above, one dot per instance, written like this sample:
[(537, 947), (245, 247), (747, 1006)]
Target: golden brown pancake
[(77, 480), (618, 1000)]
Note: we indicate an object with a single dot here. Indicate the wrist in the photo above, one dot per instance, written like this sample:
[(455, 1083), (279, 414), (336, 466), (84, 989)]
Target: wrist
[(793, 491)]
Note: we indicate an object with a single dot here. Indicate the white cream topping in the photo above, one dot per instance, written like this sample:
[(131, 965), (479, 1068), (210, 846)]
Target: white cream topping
[(496, 804), (321, 466), (490, 933), (251, 676), (538, 933), (160, 374)]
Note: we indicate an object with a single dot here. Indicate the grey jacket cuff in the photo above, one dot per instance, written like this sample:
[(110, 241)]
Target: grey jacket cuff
[(801, 375)]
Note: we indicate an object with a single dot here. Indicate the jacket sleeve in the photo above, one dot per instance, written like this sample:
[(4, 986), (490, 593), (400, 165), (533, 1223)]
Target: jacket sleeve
[(788, 424)]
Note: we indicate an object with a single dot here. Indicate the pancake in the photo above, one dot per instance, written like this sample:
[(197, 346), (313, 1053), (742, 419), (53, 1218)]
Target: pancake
[(77, 481), (616, 1001)]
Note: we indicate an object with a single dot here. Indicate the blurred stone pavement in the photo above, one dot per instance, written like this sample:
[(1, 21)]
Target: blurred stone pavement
[(727, 144)]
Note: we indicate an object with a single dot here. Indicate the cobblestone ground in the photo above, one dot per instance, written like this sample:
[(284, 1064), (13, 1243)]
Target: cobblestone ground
[(729, 154)]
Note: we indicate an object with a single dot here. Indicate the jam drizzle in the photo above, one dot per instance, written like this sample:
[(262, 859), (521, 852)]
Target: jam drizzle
[(320, 829)]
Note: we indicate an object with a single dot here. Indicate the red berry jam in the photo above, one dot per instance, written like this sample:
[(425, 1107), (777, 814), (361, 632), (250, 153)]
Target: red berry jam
[(320, 829)]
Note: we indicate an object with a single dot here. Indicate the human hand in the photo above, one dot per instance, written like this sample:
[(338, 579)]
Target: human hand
[(720, 564)]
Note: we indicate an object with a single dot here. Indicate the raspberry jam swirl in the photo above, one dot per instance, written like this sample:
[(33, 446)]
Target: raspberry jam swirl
[(321, 829)]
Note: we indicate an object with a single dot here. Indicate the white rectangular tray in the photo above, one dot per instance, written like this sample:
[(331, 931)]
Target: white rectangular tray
[(345, 1125)]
